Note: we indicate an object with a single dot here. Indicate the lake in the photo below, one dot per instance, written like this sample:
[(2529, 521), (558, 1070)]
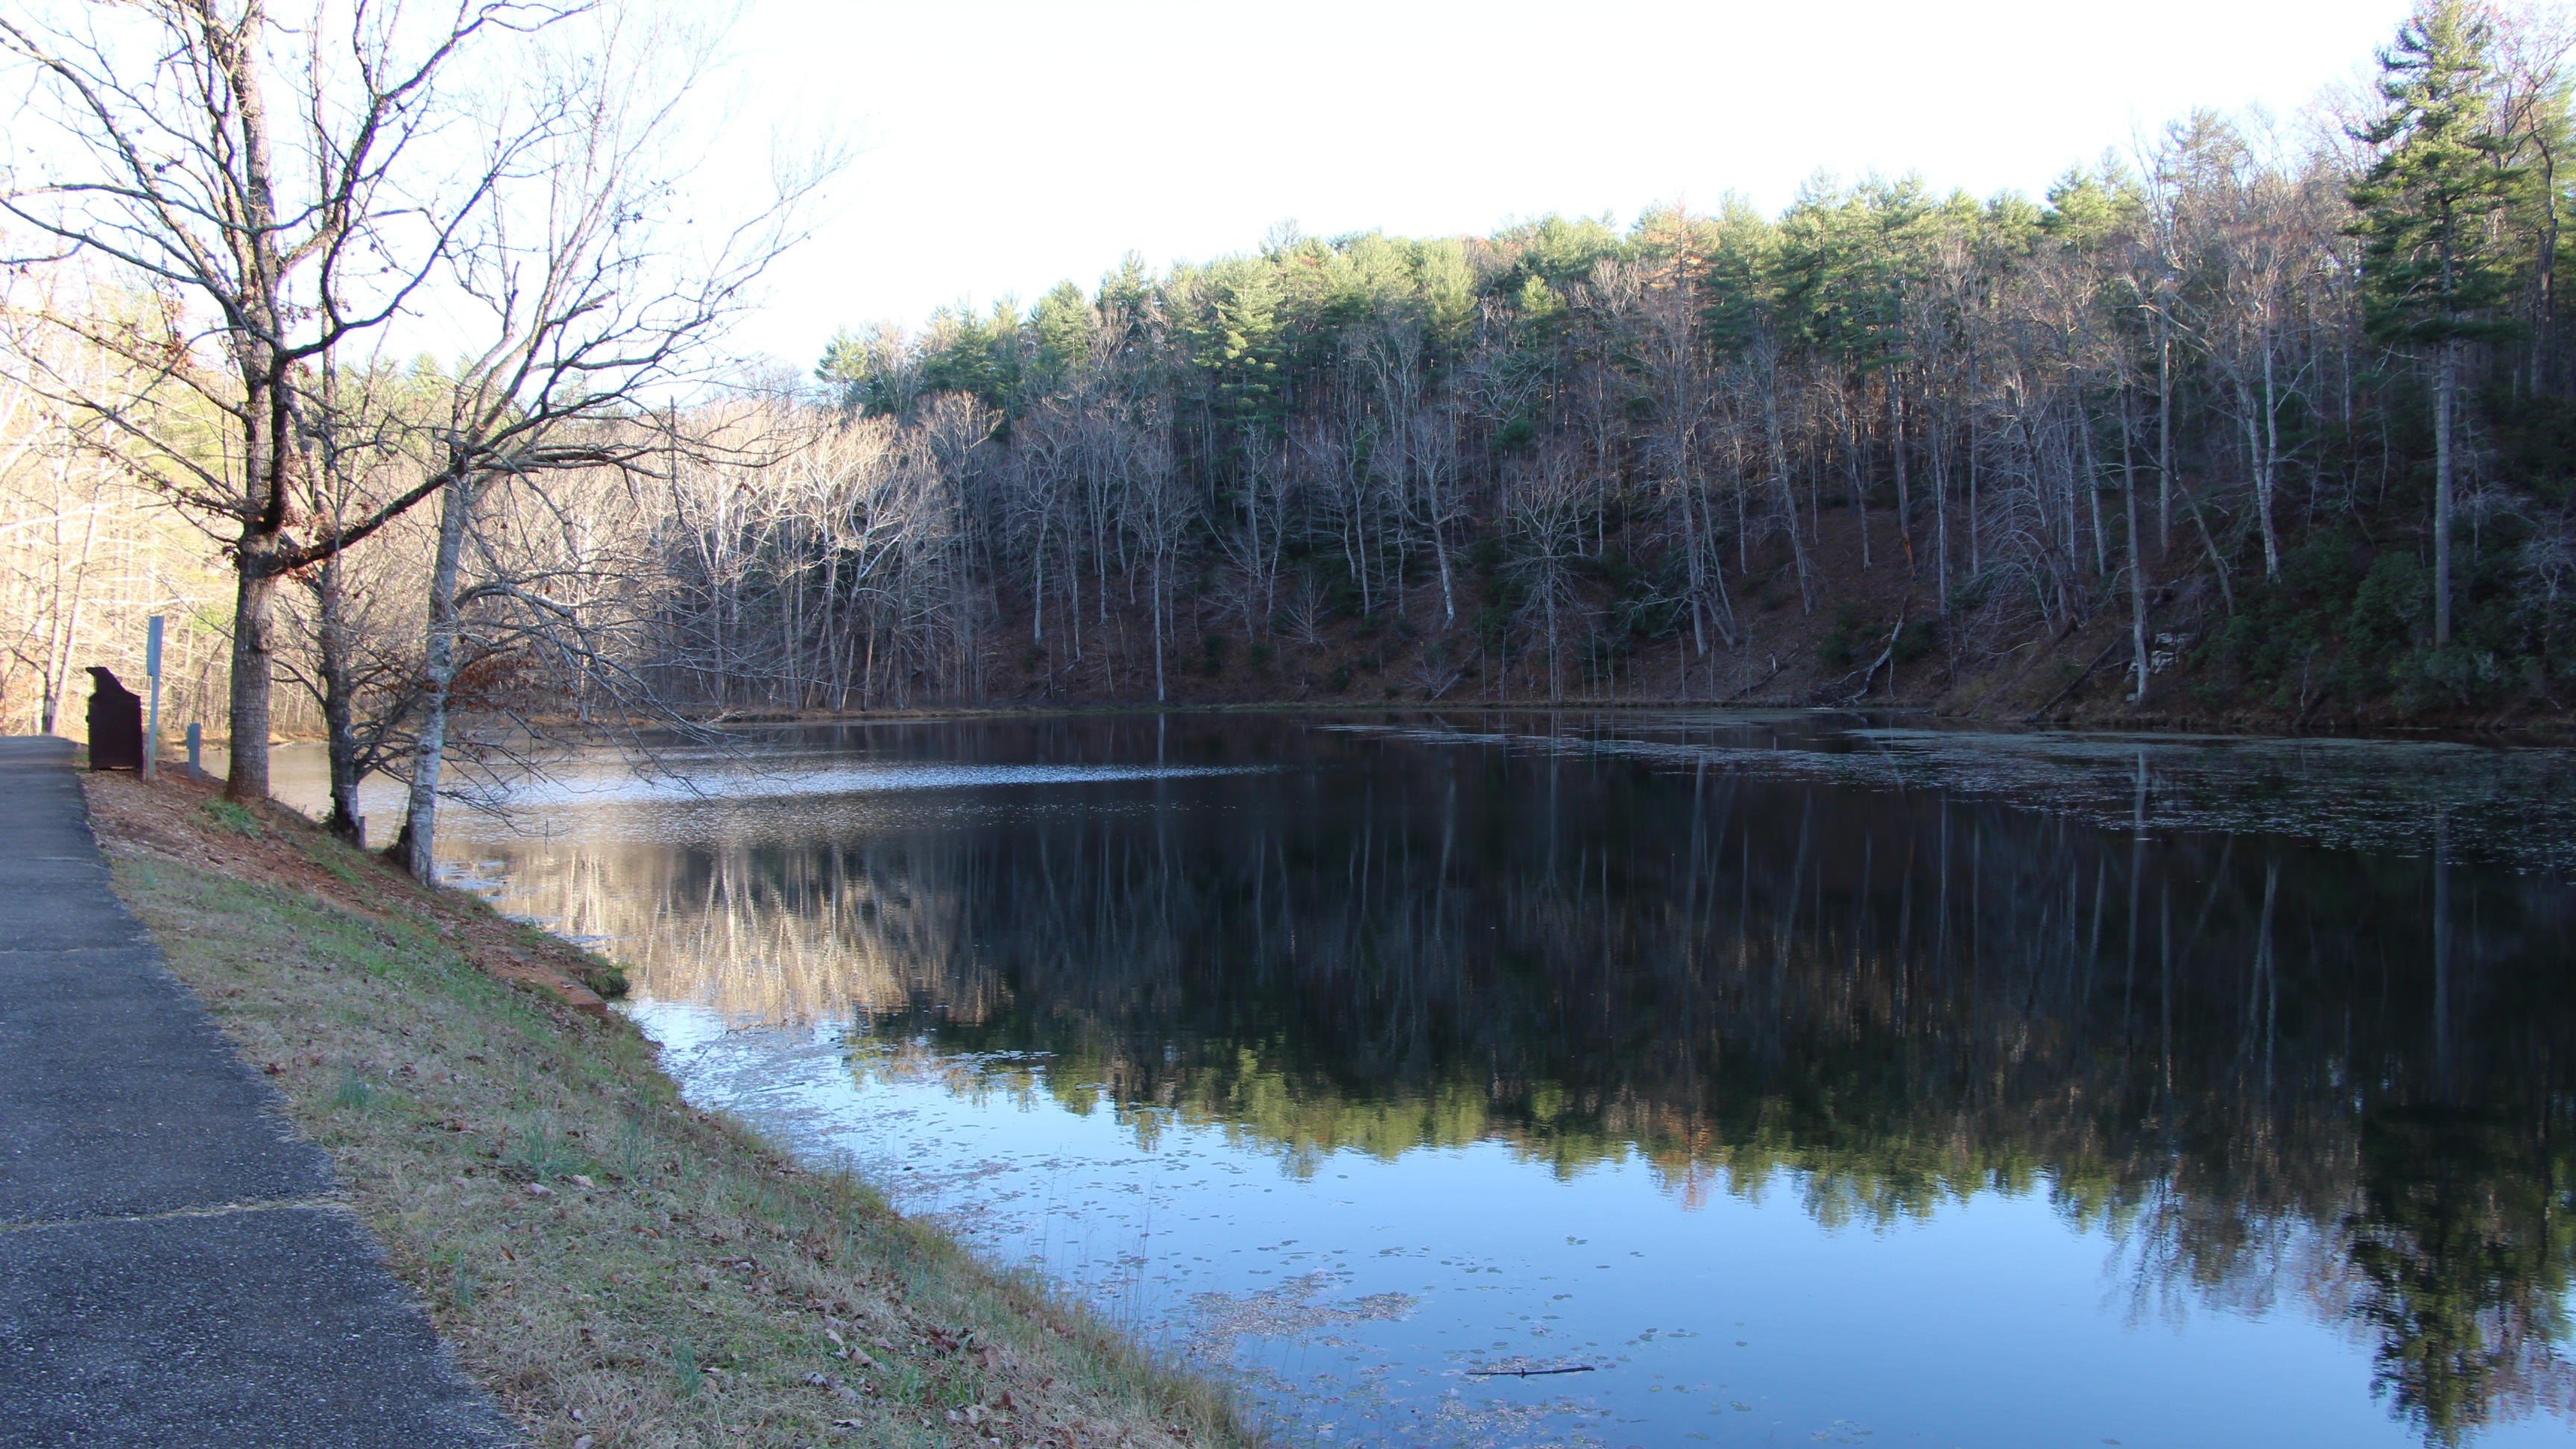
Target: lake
[(1656, 1079)]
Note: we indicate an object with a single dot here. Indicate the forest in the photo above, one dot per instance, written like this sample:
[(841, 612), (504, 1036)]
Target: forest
[(2278, 413), (2263, 420)]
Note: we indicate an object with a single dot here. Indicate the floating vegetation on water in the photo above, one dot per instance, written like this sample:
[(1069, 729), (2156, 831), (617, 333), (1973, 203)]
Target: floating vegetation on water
[(2510, 805), (1286, 1310)]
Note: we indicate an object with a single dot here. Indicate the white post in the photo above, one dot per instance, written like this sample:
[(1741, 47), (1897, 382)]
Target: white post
[(152, 669)]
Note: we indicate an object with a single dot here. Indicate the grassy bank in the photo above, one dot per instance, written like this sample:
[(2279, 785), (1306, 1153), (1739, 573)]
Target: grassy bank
[(618, 1268)]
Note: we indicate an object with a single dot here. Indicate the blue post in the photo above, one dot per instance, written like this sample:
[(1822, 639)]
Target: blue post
[(152, 668)]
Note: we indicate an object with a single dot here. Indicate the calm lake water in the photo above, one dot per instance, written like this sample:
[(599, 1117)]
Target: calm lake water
[(1504, 1079)]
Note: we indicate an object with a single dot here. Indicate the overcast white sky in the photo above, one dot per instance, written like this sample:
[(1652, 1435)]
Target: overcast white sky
[(1007, 146)]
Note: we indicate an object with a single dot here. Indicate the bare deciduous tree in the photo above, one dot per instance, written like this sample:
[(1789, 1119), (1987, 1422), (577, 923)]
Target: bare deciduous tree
[(284, 191)]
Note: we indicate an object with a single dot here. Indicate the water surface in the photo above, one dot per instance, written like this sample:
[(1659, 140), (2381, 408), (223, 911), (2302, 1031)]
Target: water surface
[(1504, 1079)]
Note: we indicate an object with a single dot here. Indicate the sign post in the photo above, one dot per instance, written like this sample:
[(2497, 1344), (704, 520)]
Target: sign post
[(152, 670)]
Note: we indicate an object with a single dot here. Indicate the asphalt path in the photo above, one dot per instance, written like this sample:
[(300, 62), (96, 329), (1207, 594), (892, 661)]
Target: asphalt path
[(175, 1266)]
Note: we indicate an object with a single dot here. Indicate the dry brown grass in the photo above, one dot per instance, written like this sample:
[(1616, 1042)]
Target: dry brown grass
[(619, 1268)]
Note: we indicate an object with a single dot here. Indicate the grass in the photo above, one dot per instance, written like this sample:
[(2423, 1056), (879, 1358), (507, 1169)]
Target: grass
[(617, 1267)]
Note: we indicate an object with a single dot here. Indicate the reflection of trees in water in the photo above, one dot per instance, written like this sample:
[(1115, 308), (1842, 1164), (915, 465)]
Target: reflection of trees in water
[(2245, 1061), (753, 933), (2461, 1246)]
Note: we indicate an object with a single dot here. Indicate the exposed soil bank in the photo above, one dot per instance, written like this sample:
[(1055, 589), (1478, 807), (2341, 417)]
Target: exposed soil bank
[(618, 1268)]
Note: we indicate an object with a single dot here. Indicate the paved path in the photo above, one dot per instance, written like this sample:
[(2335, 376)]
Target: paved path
[(173, 1271)]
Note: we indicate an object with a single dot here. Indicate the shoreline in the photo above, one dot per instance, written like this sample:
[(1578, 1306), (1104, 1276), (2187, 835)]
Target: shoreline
[(2178, 726), (617, 1267), (2502, 734)]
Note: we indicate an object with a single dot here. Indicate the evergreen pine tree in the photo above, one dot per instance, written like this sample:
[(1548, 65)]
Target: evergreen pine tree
[(2433, 273)]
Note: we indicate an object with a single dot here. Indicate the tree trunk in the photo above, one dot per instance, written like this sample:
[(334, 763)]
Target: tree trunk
[(254, 619), (1896, 454), (2137, 556), (2544, 334), (1788, 489), (2164, 438), (2093, 491), (2267, 478), (1943, 442), (258, 556), (1853, 469), (1448, 595), (2445, 384), (1155, 606), (420, 817), (1968, 444), (2209, 541), (339, 670)]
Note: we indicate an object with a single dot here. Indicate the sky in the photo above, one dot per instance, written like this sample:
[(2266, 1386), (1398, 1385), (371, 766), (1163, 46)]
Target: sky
[(1003, 147)]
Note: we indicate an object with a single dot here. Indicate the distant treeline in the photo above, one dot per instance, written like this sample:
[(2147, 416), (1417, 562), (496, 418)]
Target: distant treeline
[(2301, 409)]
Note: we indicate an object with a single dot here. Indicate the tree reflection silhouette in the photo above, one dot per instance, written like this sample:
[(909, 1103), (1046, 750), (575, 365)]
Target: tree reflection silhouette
[(2462, 1245), (2274, 1073)]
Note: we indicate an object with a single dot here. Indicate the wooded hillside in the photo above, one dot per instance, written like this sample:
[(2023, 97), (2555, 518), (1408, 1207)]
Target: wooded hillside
[(2180, 430), (2265, 422)]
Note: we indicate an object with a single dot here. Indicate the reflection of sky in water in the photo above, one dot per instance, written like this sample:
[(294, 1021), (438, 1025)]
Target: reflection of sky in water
[(691, 792), (749, 781), (1737, 1319), (1370, 1292)]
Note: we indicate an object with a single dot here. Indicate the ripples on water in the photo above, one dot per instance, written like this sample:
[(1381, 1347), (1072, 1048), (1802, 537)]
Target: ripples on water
[(1785, 1079)]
